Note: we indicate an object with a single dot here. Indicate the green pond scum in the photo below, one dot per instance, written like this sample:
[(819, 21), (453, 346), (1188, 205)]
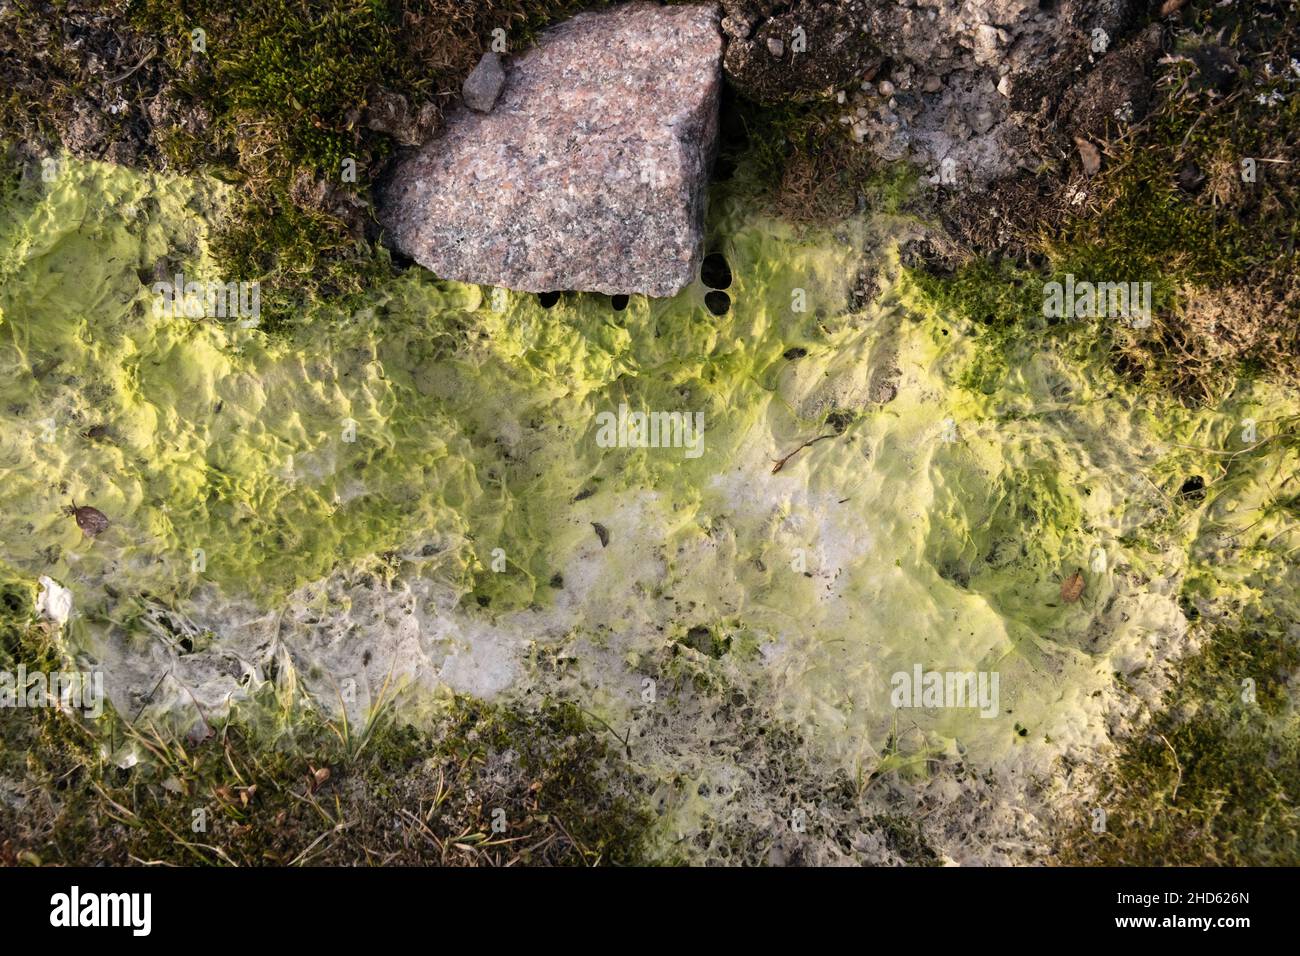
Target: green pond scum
[(384, 550)]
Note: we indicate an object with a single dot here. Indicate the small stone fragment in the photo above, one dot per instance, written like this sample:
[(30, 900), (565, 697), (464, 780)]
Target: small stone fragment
[(775, 46), (738, 26), (1089, 155), (483, 86), (1191, 177)]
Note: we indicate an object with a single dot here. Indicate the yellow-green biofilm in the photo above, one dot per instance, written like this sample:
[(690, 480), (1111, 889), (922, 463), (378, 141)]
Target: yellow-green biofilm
[(409, 499)]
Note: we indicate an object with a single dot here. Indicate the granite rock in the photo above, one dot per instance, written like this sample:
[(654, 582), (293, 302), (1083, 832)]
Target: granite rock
[(591, 171)]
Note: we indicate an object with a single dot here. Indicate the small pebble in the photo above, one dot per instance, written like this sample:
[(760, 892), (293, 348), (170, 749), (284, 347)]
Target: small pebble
[(933, 84), (483, 86), (886, 88), (775, 46)]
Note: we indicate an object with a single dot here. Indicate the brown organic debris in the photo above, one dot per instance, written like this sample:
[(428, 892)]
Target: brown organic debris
[(1089, 155), (1072, 588), (780, 462), (91, 521)]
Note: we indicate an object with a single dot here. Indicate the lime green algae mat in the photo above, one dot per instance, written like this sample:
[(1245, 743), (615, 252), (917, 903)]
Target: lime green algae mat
[(440, 492)]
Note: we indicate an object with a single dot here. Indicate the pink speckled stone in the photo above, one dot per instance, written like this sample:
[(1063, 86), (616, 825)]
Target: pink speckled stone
[(591, 171)]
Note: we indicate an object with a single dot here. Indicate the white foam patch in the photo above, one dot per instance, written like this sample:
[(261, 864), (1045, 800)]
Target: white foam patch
[(54, 602)]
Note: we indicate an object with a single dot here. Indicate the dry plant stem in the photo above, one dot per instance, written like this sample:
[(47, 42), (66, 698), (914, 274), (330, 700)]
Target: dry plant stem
[(812, 441)]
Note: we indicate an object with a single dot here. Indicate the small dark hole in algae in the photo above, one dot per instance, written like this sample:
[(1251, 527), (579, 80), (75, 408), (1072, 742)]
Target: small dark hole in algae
[(618, 302), (715, 273), (1193, 488), (548, 299), (719, 303), (839, 419)]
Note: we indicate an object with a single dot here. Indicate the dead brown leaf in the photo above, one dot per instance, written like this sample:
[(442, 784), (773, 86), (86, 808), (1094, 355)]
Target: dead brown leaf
[(1072, 588), (1090, 156)]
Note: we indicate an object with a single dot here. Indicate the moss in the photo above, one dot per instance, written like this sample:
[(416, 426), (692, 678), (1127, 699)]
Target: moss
[(309, 790), (1174, 197), (569, 762), (1151, 228), (1172, 205), (299, 256), (997, 295), (799, 162), (438, 377), (43, 70), (903, 836), (1213, 780), (1000, 304)]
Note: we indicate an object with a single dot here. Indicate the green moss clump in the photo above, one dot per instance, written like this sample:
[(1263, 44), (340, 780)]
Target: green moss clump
[(800, 163), (1174, 204), (305, 789), (1214, 780), (406, 798)]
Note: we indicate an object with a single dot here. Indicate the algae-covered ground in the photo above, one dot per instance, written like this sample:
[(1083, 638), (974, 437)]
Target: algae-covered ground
[(378, 515), (365, 579)]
